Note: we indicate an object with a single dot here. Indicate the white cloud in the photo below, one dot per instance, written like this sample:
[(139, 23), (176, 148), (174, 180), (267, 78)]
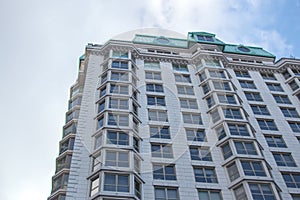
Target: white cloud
[(40, 46)]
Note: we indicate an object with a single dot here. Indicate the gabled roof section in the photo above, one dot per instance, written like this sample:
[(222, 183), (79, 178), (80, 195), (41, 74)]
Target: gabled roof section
[(160, 40), (204, 37), (247, 50)]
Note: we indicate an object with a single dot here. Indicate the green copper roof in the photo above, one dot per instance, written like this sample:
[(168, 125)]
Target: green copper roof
[(160, 40), (204, 37), (247, 50), (82, 57)]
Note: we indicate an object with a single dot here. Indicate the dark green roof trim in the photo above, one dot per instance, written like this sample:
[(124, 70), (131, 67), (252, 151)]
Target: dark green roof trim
[(253, 51), (82, 57), (193, 36), (160, 40)]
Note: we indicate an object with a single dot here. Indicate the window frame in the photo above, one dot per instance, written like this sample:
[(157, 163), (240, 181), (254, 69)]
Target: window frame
[(204, 176), (164, 172), (162, 150)]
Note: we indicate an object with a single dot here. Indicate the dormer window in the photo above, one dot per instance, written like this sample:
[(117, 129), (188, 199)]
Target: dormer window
[(243, 49), (205, 38)]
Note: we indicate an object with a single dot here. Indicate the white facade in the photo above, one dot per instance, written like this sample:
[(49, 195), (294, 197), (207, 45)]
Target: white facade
[(166, 118)]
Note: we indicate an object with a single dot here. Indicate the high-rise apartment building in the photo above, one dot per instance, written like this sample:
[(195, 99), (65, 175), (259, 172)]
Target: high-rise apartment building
[(156, 115)]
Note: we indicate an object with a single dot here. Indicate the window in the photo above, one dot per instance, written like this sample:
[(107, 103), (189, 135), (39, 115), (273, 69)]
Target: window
[(289, 112), (205, 194), (116, 103), (243, 147), (118, 89), (101, 106), (64, 162), (247, 84), (232, 113), (261, 191), (60, 182), (188, 103), (267, 124), (119, 76), (94, 186), (117, 54), (284, 159), (118, 119), (119, 65), (186, 90), (275, 141), (98, 141), (292, 180), (296, 72), (151, 87), (253, 96), (166, 193), (195, 135), (192, 118), (295, 126), (238, 129), (96, 162), (102, 92), (274, 87), (151, 65), (240, 193), (205, 38), (69, 129), (221, 85), (210, 101), (260, 110), (205, 88), (268, 76), (117, 138), (233, 171), (200, 153), (216, 74), (253, 168), (281, 99), (180, 68), (100, 122), (205, 175), (202, 76), (156, 100), (103, 78), (136, 144), (220, 132), (294, 86), (137, 188), (74, 103), (242, 74), (286, 74), (164, 172), (183, 78), (226, 98), (117, 158), (137, 164), (67, 145), (215, 116), (213, 63), (160, 132), (226, 150), (295, 197), (158, 115), (153, 75), (161, 150), (116, 182)]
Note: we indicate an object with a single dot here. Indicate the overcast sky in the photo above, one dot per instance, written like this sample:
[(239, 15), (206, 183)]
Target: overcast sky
[(41, 42)]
